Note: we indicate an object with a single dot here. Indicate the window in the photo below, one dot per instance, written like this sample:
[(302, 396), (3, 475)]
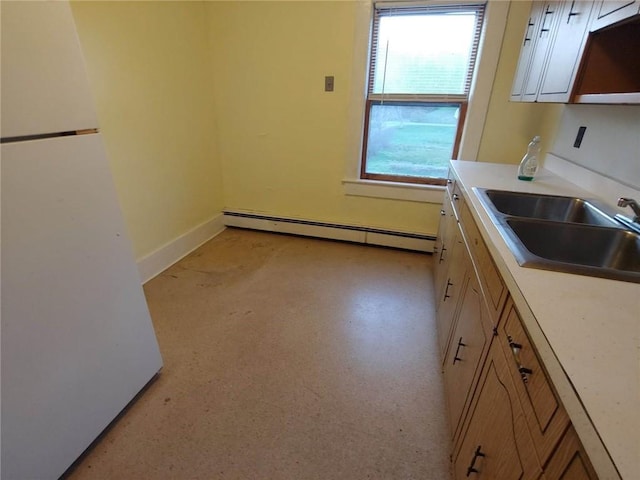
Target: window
[(421, 66)]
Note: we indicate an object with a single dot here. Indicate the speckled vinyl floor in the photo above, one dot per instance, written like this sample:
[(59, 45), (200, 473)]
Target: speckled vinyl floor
[(287, 358)]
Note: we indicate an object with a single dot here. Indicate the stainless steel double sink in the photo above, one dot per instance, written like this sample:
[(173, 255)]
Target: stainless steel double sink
[(566, 234)]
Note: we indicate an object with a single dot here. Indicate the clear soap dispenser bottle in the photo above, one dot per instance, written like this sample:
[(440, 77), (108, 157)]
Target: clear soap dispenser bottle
[(529, 164)]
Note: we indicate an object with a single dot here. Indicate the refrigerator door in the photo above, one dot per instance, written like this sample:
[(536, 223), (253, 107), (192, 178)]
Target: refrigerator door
[(44, 85), (77, 339)]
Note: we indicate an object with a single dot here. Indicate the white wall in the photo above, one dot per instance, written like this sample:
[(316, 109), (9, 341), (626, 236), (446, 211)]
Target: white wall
[(611, 144)]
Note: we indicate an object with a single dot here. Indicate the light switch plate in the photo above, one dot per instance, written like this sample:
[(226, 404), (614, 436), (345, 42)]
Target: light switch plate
[(328, 84)]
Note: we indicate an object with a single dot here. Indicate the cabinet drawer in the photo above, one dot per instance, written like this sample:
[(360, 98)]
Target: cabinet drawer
[(451, 182), (494, 289), (457, 200), (545, 415)]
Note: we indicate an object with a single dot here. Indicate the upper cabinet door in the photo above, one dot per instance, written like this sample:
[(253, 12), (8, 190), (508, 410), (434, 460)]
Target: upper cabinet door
[(44, 86), (565, 54), (548, 26), (609, 12), (527, 49)]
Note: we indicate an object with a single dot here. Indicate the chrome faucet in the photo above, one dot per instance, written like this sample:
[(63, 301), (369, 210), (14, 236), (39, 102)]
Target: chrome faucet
[(631, 203)]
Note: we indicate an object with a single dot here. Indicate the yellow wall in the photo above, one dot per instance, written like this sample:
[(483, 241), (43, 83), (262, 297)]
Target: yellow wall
[(206, 105), (510, 126), (150, 72), (283, 140)]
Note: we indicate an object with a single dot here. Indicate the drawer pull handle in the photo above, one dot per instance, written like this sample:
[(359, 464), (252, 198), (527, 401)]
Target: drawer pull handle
[(449, 181), (442, 254), (456, 196), (515, 347), (522, 370), (442, 212), (472, 468), (446, 291), (455, 357)]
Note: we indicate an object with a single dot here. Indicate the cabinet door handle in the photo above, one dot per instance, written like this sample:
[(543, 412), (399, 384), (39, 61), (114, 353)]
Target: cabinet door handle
[(455, 357), (571, 12), (456, 197), (449, 181), (515, 348), (442, 212), (527, 38), (442, 254), (446, 290), (472, 467), (544, 20)]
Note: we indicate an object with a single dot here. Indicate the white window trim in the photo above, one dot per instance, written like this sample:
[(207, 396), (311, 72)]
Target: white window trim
[(486, 66)]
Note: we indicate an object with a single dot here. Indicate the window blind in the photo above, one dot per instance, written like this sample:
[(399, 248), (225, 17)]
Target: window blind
[(442, 74)]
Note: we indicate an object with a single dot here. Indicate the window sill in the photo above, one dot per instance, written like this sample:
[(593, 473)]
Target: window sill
[(395, 191)]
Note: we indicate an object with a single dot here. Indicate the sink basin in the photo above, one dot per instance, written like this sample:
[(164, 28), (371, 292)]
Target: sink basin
[(573, 248), (564, 234), (546, 207)]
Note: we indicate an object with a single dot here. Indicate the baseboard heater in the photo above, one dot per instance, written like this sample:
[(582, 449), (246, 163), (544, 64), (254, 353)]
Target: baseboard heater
[(333, 231)]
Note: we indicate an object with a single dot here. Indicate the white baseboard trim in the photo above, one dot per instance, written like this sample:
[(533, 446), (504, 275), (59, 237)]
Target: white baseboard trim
[(156, 262), (332, 231)]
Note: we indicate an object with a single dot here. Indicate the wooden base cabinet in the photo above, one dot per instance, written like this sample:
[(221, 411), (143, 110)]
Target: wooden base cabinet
[(546, 417), (569, 461), (443, 247), (493, 288), (464, 318), (453, 285), (496, 442), (506, 419), (468, 346)]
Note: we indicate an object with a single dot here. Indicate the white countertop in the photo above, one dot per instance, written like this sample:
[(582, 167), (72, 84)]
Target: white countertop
[(586, 329)]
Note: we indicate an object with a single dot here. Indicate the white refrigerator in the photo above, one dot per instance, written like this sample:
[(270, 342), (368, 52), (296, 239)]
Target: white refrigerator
[(77, 342)]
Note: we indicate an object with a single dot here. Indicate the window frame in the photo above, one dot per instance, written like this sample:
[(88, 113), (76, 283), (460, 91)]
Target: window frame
[(386, 177), (386, 9)]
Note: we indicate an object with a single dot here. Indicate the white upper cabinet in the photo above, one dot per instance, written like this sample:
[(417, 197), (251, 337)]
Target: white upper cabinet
[(564, 56), (545, 34), (582, 51), (554, 51), (527, 49), (608, 12), (44, 85)]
